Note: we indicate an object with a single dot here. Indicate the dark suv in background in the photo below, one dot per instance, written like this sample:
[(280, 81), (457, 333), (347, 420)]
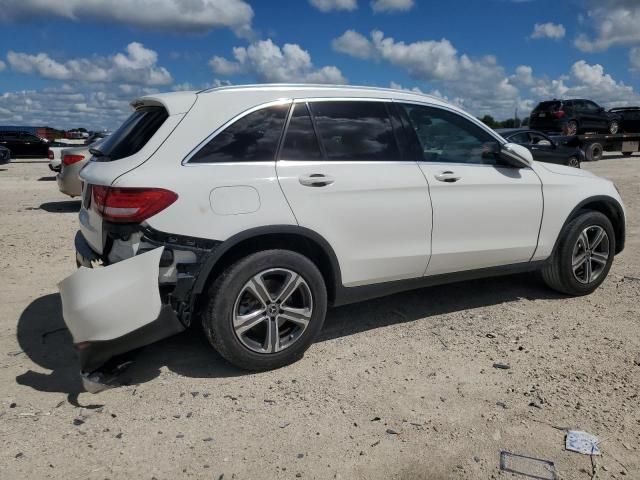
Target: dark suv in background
[(573, 117), (630, 118), (23, 144)]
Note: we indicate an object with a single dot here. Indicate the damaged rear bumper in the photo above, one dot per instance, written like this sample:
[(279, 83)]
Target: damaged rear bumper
[(115, 309)]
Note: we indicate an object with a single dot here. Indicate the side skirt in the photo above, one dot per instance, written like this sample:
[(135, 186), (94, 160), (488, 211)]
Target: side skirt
[(347, 295)]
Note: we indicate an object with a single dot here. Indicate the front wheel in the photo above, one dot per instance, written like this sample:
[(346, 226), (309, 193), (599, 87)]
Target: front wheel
[(583, 256), (265, 310), (614, 126), (573, 162)]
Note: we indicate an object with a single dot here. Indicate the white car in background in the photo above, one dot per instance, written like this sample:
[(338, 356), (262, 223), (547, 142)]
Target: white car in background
[(55, 155), (252, 209)]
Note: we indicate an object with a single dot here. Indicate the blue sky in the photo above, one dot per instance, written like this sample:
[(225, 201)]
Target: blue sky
[(79, 62)]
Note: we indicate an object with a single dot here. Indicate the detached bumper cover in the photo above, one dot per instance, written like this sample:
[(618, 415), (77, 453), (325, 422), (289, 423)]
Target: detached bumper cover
[(116, 308)]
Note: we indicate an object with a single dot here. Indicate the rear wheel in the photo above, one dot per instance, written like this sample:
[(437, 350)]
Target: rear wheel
[(584, 255), (593, 153), (571, 128), (614, 126), (573, 162), (265, 310)]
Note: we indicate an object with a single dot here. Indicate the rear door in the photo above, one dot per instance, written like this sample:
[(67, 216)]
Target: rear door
[(351, 184), (485, 213)]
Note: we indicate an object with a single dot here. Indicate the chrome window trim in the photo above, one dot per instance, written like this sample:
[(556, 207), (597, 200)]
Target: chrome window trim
[(185, 161)]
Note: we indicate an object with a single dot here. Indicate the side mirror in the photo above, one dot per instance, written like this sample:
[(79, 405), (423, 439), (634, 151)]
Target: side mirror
[(516, 155)]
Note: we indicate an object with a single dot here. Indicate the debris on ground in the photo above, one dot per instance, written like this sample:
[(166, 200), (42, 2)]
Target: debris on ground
[(582, 442)]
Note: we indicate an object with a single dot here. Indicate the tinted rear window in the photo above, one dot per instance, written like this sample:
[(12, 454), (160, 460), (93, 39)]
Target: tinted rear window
[(253, 138), (133, 134), (355, 130), (548, 106)]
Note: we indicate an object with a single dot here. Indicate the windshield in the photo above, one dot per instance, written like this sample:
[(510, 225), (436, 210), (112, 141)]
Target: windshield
[(132, 135)]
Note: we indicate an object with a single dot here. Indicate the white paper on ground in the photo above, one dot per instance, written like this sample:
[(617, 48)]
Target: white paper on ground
[(582, 442)]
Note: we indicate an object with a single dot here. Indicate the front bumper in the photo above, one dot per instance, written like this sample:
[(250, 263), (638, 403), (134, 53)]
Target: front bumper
[(115, 309)]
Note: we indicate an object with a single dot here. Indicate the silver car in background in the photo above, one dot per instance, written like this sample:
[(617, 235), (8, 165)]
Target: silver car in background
[(73, 159)]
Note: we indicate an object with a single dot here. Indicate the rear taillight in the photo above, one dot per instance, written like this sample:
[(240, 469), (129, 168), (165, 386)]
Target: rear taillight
[(50, 154), (558, 114), (71, 159), (130, 205)]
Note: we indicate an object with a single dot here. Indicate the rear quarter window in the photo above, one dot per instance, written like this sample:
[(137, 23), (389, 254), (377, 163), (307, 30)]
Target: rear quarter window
[(252, 138), (133, 134)]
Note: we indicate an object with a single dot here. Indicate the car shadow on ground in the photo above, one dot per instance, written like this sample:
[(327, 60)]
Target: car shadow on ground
[(44, 338), (66, 206), (47, 179)]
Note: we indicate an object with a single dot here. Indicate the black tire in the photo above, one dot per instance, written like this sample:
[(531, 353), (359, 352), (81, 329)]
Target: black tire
[(218, 315), (573, 162), (627, 154), (593, 153), (558, 273), (613, 127), (571, 128)]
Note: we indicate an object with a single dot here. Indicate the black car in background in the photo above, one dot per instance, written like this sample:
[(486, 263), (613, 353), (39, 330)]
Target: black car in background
[(572, 117), (5, 156), (630, 118), (24, 144), (544, 148)]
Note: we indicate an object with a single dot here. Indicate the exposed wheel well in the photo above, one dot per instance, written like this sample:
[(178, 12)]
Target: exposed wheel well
[(286, 241), (612, 211)]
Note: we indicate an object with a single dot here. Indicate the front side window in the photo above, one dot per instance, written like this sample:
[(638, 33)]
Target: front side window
[(355, 130), (300, 141), (448, 137), (522, 138), (252, 138)]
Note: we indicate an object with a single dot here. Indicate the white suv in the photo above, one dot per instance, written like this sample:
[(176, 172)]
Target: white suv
[(254, 208)]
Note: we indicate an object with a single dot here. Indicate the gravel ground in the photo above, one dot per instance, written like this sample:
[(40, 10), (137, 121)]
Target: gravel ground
[(401, 387)]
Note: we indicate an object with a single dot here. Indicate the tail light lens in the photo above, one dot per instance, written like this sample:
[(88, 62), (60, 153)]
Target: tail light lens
[(50, 154), (558, 114), (130, 205), (71, 159)]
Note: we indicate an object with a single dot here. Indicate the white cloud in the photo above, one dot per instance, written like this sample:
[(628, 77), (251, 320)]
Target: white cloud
[(482, 85), (138, 66), (479, 84), (328, 5), (380, 6), (614, 22), (354, 44), (64, 106), (555, 31), (166, 15), (269, 63)]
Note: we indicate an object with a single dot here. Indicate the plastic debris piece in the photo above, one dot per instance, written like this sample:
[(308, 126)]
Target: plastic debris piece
[(582, 442)]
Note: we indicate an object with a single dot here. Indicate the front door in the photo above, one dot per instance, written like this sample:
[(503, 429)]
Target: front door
[(485, 213), (354, 188)]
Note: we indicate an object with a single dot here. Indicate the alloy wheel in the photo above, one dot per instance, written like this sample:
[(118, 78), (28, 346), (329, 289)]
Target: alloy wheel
[(272, 310), (573, 162), (590, 254), (613, 128), (572, 128)]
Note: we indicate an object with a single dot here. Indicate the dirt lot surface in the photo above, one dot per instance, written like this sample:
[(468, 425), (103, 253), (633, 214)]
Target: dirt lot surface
[(401, 387)]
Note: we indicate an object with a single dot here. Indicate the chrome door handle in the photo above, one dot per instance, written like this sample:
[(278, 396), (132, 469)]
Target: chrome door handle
[(447, 176), (315, 180)]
